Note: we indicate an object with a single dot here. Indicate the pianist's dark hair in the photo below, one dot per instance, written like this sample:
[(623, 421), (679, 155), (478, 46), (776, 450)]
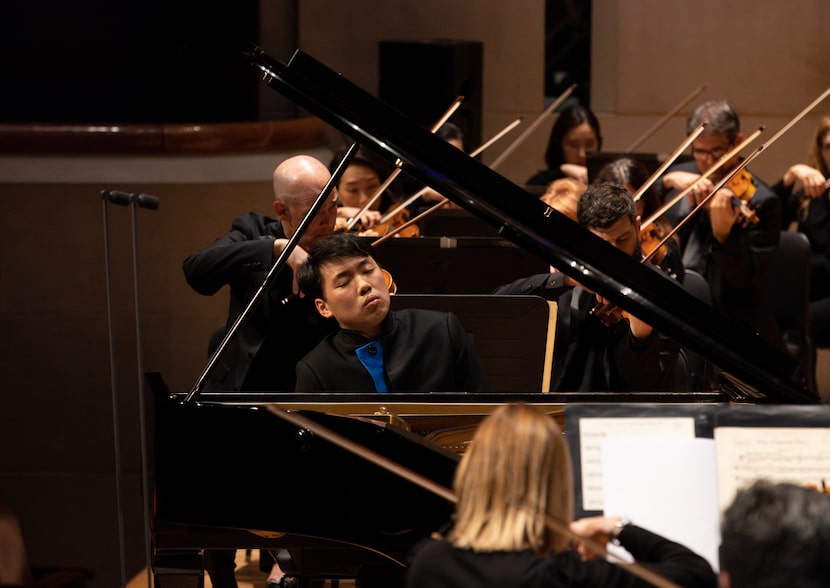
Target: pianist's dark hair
[(603, 204), (332, 248), (776, 535)]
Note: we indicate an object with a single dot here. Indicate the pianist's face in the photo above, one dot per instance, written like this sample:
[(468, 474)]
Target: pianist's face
[(354, 293)]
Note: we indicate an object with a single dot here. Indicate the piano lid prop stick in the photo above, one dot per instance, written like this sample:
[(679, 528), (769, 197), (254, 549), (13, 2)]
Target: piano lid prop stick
[(429, 485), (272, 273), (473, 153), (434, 129), (656, 126), (532, 127), (669, 160)]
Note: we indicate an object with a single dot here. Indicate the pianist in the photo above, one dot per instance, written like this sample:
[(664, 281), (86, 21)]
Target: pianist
[(625, 356), (375, 349)]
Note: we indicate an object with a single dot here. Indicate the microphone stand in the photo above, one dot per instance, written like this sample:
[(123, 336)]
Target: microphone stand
[(134, 201), (272, 273)]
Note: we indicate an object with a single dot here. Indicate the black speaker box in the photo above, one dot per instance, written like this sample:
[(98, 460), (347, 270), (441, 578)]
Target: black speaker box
[(422, 78)]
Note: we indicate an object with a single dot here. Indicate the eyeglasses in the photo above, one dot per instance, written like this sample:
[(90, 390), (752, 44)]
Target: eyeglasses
[(702, 154)]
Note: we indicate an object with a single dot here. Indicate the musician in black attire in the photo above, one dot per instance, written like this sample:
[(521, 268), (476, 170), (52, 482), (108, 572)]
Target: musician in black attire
[(375, 349), (284, 326), (590, 356), (513, 485), (734, 256)]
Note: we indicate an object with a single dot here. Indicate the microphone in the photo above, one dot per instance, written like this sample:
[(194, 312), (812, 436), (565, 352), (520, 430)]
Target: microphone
[(126, 198), (147, 201), (116, 197)]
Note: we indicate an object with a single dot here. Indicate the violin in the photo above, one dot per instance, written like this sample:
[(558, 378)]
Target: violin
[(743, 187), (397, 220), (651, 240)]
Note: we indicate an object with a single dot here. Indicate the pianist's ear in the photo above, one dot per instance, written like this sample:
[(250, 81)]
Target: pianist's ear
[(322, 308)]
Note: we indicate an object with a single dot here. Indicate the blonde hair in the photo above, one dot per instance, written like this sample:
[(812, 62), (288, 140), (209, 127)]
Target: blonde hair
[(514, 476), (563, 195)]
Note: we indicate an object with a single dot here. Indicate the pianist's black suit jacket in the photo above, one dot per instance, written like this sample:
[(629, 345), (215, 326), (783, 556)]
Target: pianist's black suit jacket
[(423, 351), (282, 328)]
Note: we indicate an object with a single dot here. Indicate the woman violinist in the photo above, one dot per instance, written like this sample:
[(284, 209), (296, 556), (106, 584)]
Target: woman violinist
[(358, 184), (803, 190)]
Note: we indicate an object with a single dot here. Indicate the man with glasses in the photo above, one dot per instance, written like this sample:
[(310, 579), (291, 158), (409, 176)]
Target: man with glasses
[(733, 253)]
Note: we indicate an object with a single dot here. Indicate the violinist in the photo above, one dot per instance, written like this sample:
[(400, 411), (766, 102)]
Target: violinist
[(803, 190), (573, 136), (734, 256), (632, 174), (359, 183), (590, 356)]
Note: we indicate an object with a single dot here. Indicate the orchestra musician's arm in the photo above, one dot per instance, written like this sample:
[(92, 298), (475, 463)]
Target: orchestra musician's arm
[(246, 249), (739, 251), (251, 246)]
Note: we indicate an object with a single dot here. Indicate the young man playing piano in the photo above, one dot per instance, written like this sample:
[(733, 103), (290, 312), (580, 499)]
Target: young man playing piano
[(589, 355), (375, 349)]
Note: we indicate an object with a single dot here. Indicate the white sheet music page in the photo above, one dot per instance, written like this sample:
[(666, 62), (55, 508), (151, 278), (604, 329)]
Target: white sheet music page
[(780, 454), (666, 485), (594, 431)]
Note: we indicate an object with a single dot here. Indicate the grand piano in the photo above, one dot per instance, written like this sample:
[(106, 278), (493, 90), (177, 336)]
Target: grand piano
[(325, 509)]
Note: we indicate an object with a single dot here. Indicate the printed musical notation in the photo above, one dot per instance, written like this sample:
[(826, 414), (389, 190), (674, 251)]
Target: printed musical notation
[(800, 455)]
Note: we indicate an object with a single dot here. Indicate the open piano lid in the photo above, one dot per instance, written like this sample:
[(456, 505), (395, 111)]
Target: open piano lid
[(753, 364)]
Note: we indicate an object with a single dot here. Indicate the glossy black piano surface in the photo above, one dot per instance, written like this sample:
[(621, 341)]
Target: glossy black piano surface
[(227, 472)]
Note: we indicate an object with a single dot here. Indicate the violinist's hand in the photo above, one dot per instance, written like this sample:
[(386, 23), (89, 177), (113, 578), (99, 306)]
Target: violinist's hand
[(368, 219), (295, 261), (599, 529), (680, 180), (640, 330), (811, 180), (577, 172), (341, 225), (722, 214)]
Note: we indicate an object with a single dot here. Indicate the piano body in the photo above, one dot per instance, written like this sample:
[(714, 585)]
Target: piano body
[(333, 511)]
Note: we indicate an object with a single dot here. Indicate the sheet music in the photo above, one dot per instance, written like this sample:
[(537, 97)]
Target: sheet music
[(667, 487), (781, 454), (594, 431)]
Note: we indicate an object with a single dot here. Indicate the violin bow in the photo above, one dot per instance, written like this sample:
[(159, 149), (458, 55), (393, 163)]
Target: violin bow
[(391, 214), (718, 164), (669, 160), (497, 162), (532, 126), (434, 129), (447, 494), (720, 184), (726, 157), (659, 124)]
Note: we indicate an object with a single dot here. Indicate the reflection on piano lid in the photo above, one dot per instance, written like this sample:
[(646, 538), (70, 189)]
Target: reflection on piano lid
[(533, 225)]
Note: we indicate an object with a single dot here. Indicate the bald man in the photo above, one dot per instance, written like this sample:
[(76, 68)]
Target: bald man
[(284, 326)]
